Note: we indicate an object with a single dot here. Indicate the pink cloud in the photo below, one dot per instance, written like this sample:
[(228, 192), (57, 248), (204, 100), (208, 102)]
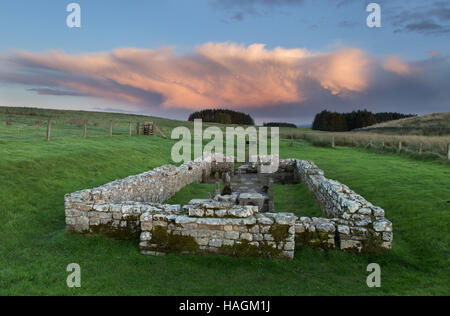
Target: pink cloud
[(396, 65), (433, 52), (214, 74)]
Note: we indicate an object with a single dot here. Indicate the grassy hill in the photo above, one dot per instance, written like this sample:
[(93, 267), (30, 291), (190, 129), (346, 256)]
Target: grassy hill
[(25, 123), (430, 124), (31, 124), (35, 249)]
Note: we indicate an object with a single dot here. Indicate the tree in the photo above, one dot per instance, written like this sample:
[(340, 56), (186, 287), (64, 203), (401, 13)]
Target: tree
[(223, 116), (341, 122)]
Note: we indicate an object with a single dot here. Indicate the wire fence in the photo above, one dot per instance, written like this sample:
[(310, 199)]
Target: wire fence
[(425, 146), (26, 127), (17, 129)]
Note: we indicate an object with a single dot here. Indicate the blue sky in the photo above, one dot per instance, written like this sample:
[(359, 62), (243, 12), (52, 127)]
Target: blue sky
[(414, 34)]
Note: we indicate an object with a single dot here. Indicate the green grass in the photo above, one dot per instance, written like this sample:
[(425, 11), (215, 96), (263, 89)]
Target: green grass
[(296, 199), (35, 249), (190, 192)]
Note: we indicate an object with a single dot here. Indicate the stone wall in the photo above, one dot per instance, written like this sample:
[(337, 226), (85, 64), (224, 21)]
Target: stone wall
[(210, 226), (359, 225), (131, 209), (115, 208), (318, 233)]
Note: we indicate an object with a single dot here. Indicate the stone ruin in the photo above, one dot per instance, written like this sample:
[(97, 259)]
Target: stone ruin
[(240, 220)]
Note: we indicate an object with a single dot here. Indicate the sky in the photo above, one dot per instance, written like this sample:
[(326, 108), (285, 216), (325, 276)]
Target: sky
[(278, 60)]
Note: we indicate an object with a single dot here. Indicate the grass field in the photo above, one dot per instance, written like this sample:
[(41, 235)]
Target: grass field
[(31, 124), (430, 124), (35, 249)]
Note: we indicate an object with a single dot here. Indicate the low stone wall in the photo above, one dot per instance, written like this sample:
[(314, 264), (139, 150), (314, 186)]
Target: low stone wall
[(131, 208), (219, 227), (111, 209), (359, 225), (119, 221), (318, 233)]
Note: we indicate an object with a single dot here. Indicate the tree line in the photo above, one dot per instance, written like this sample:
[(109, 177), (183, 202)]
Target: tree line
[(223, 116), (343, 122)]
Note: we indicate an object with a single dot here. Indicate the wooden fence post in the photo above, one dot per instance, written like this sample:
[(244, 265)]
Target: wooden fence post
[(333, 144), (399, 147), (110, 128), (85, 129), (129, 127), (382, 144), (49, 128), (138, 128)]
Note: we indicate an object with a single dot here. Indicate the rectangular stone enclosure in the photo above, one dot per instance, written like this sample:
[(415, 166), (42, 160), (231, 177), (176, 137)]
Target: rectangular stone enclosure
[(239, 222)]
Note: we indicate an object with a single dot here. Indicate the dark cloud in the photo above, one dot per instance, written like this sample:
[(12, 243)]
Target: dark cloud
[(253, 3), (424, 26), (55, 92), (343, 3), (239, 9), (432, 18), (425, 17), (348, 24)]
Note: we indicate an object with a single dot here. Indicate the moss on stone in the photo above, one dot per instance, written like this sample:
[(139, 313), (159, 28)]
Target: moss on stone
[(244, 249), (116, 233), (315, 240), (279, 232), (160, 236), (169, 242), (372, 245)]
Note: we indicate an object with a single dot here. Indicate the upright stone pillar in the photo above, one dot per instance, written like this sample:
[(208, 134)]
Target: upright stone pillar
[(217, 192), (271, 201)]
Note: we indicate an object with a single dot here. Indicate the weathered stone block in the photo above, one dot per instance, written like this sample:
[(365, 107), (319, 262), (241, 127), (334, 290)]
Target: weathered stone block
[(382, 225)]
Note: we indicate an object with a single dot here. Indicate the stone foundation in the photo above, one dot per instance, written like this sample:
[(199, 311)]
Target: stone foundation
[(232, 224)]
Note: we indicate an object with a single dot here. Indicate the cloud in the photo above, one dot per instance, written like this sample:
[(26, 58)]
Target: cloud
[(425, 90), (433, 18), (239, 9), (215, 74), (280, 83), (55, 92), (396, 65), (252, 4), (433, 52), (430, 17), (348, 24)]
